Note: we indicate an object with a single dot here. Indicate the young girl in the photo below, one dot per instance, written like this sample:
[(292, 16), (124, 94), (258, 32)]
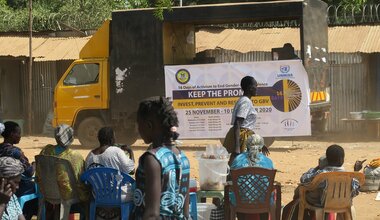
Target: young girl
[(162, 177)]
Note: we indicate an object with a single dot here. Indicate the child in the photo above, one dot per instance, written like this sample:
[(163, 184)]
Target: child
[(162, 176)]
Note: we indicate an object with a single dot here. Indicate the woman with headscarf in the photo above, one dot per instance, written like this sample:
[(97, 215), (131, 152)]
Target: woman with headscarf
[(11, 132), (64, 136), (10, 174), (253, 157)]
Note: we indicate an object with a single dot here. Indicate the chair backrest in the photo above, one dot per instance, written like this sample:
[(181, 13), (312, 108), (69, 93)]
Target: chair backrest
[(337, 194), (47, 169), (252, 187), (106, 184)]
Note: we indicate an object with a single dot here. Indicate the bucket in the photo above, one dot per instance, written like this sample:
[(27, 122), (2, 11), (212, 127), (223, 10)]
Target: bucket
[(213, 173), (204, 210)]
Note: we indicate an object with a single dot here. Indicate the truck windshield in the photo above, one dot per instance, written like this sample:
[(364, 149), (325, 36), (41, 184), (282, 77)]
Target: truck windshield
[(81, 74)]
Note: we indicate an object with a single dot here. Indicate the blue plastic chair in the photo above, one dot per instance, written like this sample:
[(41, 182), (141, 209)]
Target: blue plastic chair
[(28, 197), (193, 206), (106, 189)]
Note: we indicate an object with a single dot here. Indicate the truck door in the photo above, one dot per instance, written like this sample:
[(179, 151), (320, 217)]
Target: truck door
[(79, 88)]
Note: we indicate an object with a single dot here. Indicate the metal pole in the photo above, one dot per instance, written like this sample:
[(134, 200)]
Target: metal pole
[(30, 70)]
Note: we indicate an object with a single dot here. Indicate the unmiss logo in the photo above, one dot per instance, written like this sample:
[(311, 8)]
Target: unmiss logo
[(289, 124), (284, 68), (182, 76), (284, 72)]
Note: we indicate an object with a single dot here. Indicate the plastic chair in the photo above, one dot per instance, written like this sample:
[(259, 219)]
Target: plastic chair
[(193, 206), (337, 194), (253, 188), (46, 166), (28, 197), (106, 189)]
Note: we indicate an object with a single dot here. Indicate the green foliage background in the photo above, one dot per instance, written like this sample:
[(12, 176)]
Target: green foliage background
[(55, 14), (89, 14)]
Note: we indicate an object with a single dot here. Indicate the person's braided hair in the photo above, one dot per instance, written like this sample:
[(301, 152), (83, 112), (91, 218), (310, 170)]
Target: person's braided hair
[(161, 109)]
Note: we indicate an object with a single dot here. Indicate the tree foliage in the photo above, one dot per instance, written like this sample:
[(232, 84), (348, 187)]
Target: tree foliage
[(89, 14), (56, 14)]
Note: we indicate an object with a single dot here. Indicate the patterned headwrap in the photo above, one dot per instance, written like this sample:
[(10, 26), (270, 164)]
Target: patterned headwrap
[(10, 167), (254, 145), (64, 135)]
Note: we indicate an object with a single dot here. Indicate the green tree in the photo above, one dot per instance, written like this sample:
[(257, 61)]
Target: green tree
[(54, 14)]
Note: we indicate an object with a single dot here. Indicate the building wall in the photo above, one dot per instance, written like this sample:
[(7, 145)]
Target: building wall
[(349, 81), (14, 90), (45, 78), (11, 90), (349, 87)]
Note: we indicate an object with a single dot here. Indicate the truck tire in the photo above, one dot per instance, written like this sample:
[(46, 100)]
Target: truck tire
[(88, 131), (129, 139)]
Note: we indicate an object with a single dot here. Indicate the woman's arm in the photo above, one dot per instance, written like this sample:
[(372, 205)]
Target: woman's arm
[(237, 126), (5, 195), (2, 209), (21, 217), (126, 165), (186, 205), (152, 188)]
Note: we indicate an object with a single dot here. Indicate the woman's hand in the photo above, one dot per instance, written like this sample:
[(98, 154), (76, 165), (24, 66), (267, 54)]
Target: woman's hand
[(5, 191), (359, 165), (265, 150)]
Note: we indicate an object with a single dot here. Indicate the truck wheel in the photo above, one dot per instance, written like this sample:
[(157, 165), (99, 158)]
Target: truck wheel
[(127, 136), (128, 140), (88, 131)]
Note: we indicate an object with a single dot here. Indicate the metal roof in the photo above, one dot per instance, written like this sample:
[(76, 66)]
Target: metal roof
[(44, 49), (364, 39), (341, 40)]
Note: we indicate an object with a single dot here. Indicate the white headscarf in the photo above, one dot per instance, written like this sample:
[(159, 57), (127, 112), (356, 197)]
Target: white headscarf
[(254, 145)]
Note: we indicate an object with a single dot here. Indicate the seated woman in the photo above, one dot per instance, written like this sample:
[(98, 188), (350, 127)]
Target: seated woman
[(10, 174), (253, 157), (64, 136), (109, 155), (11, 132), (372, 169)]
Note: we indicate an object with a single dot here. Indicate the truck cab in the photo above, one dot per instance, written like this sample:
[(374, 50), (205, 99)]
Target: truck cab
[(81, 97)]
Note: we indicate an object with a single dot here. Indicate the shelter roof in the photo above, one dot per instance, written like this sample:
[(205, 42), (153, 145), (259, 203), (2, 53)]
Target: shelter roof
[(44, 48), (342, 39)]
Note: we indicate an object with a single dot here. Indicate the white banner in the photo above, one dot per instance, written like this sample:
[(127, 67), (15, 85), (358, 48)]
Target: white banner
[(204, 96)]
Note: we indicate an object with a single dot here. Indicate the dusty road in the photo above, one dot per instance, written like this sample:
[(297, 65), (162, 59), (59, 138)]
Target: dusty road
[(291, 157)]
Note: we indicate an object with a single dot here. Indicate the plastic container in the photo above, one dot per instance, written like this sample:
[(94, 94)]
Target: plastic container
[(204, 210), (193, 185), (213, 173), (371, 183), (371, 115), (355, 115)]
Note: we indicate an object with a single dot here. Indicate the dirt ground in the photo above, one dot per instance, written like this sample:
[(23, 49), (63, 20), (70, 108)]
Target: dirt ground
[(291, 158)]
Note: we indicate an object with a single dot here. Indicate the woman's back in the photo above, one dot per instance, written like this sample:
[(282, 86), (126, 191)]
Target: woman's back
[(175, 172), (112, 157)]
